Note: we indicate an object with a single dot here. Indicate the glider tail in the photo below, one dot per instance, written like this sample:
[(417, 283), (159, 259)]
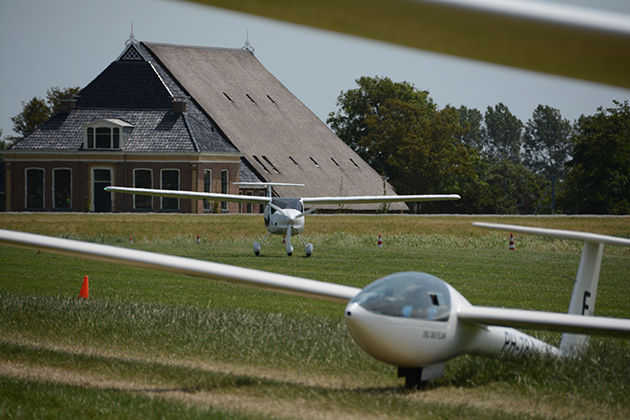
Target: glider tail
[(585, 286), (584, 294)]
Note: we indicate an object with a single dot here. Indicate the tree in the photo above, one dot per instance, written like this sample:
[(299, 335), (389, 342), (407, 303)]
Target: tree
[(547, 143), (416, 146), (37, 111), (355, 105), (503, 134), (472, 121), (599, 177)]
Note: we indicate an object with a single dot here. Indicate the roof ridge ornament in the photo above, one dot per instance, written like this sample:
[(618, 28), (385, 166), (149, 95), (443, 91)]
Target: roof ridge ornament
[(132, 51), (132, 39), (248, 45)]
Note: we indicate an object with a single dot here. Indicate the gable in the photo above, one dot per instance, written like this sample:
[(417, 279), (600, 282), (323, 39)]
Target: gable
[(126, 84)]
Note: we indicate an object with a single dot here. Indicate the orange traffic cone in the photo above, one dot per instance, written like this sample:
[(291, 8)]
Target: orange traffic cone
[(512, 247), (198, 241), (85, 289), (130, 239), (380, 240)]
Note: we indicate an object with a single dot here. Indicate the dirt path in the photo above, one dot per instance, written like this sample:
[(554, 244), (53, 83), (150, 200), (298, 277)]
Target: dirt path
[(497, 401)]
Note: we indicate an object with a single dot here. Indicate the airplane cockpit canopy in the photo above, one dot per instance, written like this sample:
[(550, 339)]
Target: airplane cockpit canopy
[(288, 203), (407, 295)]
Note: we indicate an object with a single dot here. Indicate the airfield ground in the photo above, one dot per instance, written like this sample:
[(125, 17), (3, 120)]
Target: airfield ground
[(153, 345)]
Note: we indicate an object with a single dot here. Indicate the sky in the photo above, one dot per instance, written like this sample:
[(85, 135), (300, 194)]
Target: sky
[(65, 43)]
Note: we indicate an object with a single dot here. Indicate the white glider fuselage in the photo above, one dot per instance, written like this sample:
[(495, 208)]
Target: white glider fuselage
[(424, 328)]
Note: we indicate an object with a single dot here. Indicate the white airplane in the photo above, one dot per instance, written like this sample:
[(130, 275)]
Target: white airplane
[(411, 320), (283, 215)]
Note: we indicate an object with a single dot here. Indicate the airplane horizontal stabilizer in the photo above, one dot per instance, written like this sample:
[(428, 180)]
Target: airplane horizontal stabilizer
[(549, 321), (558, 233)]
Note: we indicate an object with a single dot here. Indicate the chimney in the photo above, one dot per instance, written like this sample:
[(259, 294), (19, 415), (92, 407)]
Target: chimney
[(179, 106), (68, 104)]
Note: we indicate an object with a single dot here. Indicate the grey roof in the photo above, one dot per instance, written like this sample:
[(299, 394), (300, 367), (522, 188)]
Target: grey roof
[(154, 131), (139, 93), (280, 137)]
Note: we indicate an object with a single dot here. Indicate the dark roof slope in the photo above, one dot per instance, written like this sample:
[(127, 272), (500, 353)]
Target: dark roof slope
[(126, 84), (140, 93), (280, 137)]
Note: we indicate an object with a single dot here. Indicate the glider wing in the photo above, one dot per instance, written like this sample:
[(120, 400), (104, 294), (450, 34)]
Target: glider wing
[(180, 265)]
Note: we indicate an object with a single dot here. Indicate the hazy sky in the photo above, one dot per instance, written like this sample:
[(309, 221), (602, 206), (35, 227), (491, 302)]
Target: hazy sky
[(66, 43)]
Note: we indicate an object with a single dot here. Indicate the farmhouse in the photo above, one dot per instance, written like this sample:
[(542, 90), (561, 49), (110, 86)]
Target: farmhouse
[(181, 117)]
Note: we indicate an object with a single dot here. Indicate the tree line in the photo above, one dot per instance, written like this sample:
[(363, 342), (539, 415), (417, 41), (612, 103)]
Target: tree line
[(497, 163)]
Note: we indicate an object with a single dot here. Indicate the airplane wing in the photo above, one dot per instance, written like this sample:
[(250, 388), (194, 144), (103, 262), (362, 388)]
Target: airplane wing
[(191, 194), (379, 199), (549, 37), (179, 265), (548, 321)]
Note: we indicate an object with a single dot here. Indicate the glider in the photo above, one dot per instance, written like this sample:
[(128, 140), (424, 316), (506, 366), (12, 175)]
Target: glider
[(573, 41), (283, 215), (411, 320)]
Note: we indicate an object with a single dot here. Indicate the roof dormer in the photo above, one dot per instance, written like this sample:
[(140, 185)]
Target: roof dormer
[(109, 134)]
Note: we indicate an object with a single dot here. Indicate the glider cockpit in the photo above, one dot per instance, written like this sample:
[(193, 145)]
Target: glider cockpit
[(407, 295)]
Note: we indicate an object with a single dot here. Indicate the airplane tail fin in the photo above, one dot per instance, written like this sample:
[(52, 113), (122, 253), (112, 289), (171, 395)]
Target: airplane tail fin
[(585, 286)]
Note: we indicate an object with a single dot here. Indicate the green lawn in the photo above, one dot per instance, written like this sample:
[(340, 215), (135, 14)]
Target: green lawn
[(189, 348)]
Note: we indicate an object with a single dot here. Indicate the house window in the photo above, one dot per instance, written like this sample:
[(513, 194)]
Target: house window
[(35, 188), (143, 178), (224, 188), (103, 138), (207, 187), (62, 188), (250, 205), (110, 134), (170, 181)]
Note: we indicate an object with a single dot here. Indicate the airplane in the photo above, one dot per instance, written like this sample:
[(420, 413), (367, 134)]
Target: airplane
[(282, 215), (411, 320)]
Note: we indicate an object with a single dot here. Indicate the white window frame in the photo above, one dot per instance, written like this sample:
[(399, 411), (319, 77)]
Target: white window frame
[(124, 131), (206, 204), (26, 170), (225, 189)]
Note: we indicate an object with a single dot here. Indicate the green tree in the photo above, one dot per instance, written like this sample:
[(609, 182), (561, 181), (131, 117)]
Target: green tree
[(471, 119), (417, 146), (37, 111), (503, 135), (599, 177), (547, 142), (355, 105)]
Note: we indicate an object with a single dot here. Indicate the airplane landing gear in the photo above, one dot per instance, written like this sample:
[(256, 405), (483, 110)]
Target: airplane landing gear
[(412, 377)]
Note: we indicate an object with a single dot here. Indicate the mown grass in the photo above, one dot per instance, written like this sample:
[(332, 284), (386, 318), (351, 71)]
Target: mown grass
[(161, 330)]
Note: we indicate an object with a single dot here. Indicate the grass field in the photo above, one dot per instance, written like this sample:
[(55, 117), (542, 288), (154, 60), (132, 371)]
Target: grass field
[(155, 345)]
